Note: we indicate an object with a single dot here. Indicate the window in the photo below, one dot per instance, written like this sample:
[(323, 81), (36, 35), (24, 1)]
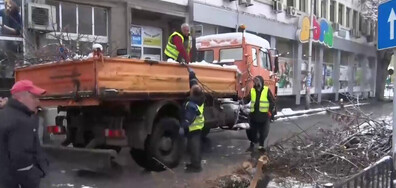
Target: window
[(348, 17), (254, 57), (233, 53), (340, 14), (302, 5), (69, 24), (207, 56), (55, 4), (332, 11), (84, 19), (323, 9), (354, 19), (100, 21), (265, 62), (86, 24), (290, 3), (315, 7)]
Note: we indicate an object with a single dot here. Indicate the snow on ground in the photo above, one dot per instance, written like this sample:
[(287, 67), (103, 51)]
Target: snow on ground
[(388, 93), (289, 182), (290, 112), (283, 118)]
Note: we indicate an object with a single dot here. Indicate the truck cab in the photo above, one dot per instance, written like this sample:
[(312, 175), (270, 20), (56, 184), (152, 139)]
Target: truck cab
[(250, 53)]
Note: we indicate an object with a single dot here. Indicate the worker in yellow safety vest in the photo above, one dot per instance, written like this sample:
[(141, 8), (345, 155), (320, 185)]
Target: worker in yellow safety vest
[(262, 104), (179, 45), (192, 122)]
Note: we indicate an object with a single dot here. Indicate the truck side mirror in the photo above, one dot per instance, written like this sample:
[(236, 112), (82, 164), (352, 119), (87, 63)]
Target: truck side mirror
[(276, 64)]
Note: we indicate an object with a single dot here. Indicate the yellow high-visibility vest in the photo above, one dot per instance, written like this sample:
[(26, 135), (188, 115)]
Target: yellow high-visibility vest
[(264, 103), (171, 49), (199, 121)]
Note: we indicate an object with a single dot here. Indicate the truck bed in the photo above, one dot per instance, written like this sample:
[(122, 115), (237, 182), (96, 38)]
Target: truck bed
[(89, 82)]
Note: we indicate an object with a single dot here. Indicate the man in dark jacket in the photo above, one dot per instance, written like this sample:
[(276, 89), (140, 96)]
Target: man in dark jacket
[(193, 122), (262, 104), (22, 163)]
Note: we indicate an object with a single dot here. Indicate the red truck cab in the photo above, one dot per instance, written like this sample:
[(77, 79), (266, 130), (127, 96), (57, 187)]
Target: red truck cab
[(250, 53)]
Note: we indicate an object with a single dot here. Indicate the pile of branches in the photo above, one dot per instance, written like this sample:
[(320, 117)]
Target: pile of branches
[(331, 155)]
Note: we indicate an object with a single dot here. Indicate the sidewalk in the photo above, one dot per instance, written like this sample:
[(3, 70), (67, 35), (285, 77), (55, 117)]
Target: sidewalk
[(287, 110)]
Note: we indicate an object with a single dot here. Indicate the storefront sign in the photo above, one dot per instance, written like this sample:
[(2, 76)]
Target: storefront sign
[(323, 32), (152, 37), (136, 35)]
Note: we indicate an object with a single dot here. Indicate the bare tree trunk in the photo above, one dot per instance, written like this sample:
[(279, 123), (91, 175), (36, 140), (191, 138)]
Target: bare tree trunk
[(383, 60)]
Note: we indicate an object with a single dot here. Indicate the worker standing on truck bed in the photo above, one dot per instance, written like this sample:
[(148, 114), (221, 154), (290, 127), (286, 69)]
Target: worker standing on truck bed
[(179, 45), (193, 122), (261, 106), (22, 162)]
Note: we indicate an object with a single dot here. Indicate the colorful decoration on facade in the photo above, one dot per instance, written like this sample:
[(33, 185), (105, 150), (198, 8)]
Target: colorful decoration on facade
[(323, 32)]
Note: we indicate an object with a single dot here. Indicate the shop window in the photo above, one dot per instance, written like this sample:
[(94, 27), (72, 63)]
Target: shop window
[(254, 57), (232, 53), (340, 13), (207, 56), (332, 11)]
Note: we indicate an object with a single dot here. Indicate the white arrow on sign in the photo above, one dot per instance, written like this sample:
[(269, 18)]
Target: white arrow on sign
[(391, 20)]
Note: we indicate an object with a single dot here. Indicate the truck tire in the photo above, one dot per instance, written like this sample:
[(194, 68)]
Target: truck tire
[(164, 146)]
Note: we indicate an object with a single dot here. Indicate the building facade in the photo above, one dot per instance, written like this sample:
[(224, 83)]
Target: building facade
[(343, 58)]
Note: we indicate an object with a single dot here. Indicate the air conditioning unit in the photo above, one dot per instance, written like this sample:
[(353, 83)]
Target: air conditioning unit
[(42, 17), (242, 2), (336, 26), (291, 11), (277, 6), (249, 3)]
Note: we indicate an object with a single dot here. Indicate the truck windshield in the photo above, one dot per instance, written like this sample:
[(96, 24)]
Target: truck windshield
[(232, 53), (207, 56)]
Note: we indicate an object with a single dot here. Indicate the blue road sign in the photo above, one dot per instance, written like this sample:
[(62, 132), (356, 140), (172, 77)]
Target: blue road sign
[(386, 25)]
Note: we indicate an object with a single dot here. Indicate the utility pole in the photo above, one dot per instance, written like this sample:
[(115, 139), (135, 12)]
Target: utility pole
[(308, 80)]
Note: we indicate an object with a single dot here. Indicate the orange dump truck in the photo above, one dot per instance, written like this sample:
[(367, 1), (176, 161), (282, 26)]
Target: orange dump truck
[(110, 103)]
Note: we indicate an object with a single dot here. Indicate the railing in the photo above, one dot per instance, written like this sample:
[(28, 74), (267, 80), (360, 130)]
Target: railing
[(379, 175)]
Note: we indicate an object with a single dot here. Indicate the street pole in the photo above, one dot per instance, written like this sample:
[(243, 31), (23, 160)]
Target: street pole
[(394, 119), (308, 80)]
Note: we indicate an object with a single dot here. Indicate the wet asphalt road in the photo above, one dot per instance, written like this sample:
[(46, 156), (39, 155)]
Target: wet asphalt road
[(226, 152)]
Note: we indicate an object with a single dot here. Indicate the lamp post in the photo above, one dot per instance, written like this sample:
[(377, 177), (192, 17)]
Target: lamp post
[(308, 80)]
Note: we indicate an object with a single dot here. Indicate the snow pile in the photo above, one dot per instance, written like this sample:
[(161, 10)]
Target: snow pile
[(206, 64), (227, 39)]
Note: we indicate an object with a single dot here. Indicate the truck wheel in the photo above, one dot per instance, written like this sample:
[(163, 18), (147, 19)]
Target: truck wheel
[(164, 145), (139, 156)]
